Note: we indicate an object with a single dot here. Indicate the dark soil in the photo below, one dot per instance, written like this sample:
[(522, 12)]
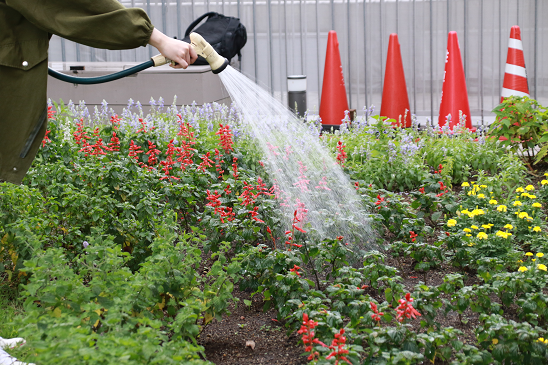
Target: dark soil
[(225, 341)]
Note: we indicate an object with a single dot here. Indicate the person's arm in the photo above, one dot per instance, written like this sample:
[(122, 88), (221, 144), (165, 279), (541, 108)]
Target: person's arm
[(178, 51), (98, 23)]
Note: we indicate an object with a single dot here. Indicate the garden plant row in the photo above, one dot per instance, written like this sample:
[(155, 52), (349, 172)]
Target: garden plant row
[(130, 233)]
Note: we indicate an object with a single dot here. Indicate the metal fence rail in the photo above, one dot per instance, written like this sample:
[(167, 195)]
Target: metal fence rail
[(290, 37)]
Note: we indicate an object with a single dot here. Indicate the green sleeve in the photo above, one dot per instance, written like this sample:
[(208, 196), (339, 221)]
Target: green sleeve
[(96, 23)]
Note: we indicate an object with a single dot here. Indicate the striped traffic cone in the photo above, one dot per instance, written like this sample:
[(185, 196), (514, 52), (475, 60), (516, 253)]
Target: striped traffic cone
[(515, 76)]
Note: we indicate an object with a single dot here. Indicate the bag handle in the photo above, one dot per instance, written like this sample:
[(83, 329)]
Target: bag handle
[(197, 21)]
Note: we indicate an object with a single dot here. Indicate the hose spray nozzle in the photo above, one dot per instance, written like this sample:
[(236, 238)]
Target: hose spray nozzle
[(202, 48)]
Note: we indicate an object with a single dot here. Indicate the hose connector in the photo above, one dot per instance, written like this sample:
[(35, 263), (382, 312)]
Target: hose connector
[(204, 49)]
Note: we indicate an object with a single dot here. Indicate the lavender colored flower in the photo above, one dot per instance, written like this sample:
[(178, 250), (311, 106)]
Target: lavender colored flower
[(85, 244)]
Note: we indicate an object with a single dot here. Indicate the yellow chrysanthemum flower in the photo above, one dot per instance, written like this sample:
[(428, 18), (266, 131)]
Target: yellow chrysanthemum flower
[(537, 229), (478, 212), (471, 244), (485, 226), (468, 230), (529, 254), (520, 261), (529, 188), (524, 194), (517, 203), (540, 339), (502, 208), (509, 226), (544, 182), (519, 190), (522, 269), (474, 227), (539, 254), (495, 341), (503, 234), (468, 235), (493, 202), (483, 186), (542, 267), (537, 205), (482, 236), (465, 184), (531, 196), (533, 260), (451, 223), (523, 215), (481, 196)]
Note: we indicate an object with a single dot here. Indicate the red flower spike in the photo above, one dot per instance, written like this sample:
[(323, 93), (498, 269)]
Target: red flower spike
[(46, 138), (413, 236), (405, 309), (225, 137), (114, 144), (341, 155), (51, 113), (376, 314)]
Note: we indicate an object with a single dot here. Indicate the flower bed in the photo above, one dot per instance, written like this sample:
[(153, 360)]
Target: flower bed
[(110, 234)]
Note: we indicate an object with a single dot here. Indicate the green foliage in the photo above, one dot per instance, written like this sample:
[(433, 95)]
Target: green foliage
[(400, 160), (150, 316), (512, 342), (521, 123)]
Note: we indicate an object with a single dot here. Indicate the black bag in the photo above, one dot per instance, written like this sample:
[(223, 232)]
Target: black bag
[(225, 34)]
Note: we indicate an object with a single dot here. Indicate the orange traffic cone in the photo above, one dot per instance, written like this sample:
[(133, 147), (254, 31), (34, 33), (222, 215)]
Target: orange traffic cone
[(515, 77), (454, 98), (333, 103), (395, 102)]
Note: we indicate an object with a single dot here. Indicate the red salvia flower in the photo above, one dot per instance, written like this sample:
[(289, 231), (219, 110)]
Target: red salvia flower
[(152, 154), (218, 162), (80, 135), (295, 270), (206, 162), (271, 236), (376, 314), (235, 168), (115, 121), (307, 332), (114, 144), (134, 150), (413, 236), (341, 155), (143, 126), (51, 112), (405, 309), (46, 138), (168, 163), (225, 137), (337, 345)]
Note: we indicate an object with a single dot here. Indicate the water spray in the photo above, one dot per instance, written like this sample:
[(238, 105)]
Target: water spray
[(197, 42)]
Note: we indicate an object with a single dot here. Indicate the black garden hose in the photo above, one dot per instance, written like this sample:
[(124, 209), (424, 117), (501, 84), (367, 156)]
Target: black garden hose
[(100, 79)]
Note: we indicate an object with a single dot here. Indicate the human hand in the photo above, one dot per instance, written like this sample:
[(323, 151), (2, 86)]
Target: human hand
[(181, 53)]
